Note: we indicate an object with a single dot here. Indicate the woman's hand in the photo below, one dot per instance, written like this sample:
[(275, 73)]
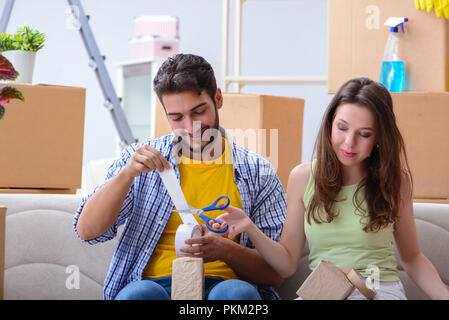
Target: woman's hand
[(235, 218)]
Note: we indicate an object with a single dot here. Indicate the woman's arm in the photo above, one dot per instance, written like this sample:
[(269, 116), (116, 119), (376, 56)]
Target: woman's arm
[(284, 256), (417, 266)]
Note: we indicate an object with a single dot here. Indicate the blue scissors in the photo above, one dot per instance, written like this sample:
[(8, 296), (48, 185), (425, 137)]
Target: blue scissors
[(205, 218)]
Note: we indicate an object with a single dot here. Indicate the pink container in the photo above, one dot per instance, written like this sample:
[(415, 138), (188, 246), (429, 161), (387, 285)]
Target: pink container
[(153, 47), (161, 26)]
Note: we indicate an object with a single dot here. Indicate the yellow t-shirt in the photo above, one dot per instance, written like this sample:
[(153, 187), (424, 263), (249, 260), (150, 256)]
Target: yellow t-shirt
[(202, 183)]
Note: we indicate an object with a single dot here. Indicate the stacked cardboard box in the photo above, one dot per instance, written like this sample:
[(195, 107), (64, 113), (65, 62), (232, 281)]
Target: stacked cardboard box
[(356, 42), (422, 119), (154, 37), (357, 38), (42, 140)]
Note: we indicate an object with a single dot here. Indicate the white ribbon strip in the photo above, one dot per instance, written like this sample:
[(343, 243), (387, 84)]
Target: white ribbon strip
[(191, 228), (170, 181)]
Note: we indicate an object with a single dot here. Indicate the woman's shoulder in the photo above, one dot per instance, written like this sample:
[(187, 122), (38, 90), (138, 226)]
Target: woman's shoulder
[(299, 177), (302, 170)]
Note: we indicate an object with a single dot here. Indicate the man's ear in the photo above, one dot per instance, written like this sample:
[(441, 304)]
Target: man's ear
[(218, 98)]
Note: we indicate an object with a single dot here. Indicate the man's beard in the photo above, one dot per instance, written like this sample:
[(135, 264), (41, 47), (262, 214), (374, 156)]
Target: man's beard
[(211, 136)]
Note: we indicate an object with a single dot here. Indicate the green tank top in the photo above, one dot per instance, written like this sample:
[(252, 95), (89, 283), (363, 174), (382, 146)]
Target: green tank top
[(343, 241)]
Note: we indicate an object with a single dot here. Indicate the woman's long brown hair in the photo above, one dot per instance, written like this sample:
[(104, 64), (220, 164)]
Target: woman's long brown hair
[(385, 165)]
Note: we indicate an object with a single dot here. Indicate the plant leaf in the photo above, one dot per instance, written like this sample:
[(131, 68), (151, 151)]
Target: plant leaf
[(7, 71), (27, 39), (7, 93)]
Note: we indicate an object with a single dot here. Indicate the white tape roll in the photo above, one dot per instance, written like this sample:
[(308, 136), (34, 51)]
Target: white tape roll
[(186, 231)]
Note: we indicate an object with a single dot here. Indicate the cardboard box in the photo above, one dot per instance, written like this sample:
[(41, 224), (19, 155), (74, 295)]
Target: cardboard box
[(268, 125), (187, 279), (42, 138), (357, 38), (329, 282), (422, 119), (160, 26), (153, 47), (326, 282), (2, 249)]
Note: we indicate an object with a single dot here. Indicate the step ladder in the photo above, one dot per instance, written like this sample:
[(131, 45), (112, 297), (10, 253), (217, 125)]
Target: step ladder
[(80, 21)]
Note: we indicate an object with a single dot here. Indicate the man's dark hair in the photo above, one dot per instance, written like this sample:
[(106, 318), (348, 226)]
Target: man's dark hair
[(185, 72)]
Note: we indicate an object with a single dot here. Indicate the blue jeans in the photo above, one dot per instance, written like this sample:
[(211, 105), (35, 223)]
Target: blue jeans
[(215, 289)]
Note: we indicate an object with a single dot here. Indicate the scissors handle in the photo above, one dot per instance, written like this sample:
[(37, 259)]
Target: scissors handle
[(214, 206), (207, 219)]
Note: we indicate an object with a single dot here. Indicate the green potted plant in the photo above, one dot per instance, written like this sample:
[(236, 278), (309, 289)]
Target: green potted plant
[(20, 48), (7, 72)]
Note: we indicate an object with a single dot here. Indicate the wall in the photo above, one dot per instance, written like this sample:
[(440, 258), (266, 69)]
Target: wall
[(278, 38)]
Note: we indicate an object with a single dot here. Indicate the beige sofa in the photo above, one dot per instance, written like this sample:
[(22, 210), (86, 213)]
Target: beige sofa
[(45, 260)]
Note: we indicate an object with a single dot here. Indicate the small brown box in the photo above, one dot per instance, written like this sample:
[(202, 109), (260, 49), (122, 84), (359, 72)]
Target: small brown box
[(42, 138), (326, 282), (187, 279)]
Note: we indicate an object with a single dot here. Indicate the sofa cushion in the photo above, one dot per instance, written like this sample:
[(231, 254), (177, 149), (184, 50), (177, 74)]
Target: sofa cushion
[(43, 254), (432, 225)]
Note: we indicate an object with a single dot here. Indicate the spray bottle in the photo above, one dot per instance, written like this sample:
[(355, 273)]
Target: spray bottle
[(392, 71)]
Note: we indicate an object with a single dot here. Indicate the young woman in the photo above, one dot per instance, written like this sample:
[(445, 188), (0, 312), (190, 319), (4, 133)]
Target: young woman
[(352, 199)]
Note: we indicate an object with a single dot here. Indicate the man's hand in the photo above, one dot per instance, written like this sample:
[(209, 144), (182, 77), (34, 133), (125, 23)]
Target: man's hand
[(246, 262), (98, 215), (210, 246), (145, 159)]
